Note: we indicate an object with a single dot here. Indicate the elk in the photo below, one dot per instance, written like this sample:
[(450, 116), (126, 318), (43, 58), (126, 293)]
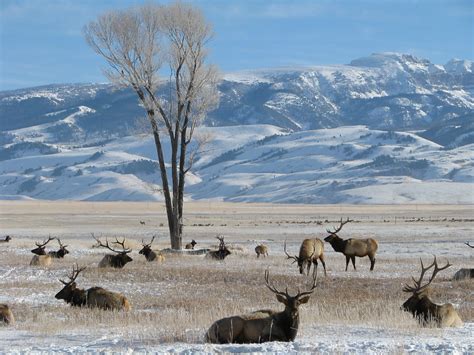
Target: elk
[(61, 252), (190, 245), (41, 258), (352, 247), (150, 255), (420, 305), (119, 260), (464, 273), (221, 253), (264, 325), (94, 297), (6, 315), (142, 223), (310, 251), (261, 250), (6, 240)]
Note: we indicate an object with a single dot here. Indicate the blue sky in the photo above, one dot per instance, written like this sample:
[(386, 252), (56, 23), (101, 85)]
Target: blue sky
[(41, 41)]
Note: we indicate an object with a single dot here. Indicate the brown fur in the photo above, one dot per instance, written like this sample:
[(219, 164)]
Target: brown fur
[(263, 325), (104, 299), (6, 315), (190, 245), (41, 260), (261, 250), (462, 274), (310, 251)]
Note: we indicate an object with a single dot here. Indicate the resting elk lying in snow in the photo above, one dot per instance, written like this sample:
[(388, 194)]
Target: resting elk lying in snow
[(264, 325), (420, 305), (41, 258), (119, 260), (94, 297), (464, 273), (261, 250), (352, 247), (221, 253), (150, 255), (6, 315), (310, 251), (190, 245), (61, 252)]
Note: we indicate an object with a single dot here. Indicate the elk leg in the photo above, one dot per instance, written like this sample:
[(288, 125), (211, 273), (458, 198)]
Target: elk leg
[(347, 261), (315, 268), (324, 265), (372, 263), (309, 267), (353, 258)]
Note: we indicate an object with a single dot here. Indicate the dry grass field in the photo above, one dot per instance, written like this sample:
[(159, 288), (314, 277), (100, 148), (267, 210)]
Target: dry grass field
[(176, 301)]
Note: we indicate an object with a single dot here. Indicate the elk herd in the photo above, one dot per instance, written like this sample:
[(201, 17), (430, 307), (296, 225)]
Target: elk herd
[(261, 325)]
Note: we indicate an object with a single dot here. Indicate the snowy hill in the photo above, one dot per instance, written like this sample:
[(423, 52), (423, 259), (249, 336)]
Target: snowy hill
[(388, 128)]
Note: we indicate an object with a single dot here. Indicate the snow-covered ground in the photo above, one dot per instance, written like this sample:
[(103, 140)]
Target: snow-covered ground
[(175, 302)]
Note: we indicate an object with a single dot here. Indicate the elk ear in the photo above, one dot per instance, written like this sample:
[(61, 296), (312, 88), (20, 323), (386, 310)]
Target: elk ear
[(304, 299), (282, 299)]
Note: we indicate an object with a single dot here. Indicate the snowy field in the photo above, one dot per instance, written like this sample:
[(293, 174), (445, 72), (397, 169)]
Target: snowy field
[(175, 302)]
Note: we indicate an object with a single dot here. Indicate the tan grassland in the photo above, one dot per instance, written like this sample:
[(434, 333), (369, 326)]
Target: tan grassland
[(180, 298)]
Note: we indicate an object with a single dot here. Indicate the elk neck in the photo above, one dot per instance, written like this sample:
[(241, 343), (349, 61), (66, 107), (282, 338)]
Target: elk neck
[(288, 324), (338, 244)]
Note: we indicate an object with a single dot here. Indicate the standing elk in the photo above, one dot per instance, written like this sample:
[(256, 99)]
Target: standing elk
[(119, 260), (41, 258), (261, 250), (310, 251), (150, 255), (6, 315), (94, 297), (264, 325), (352, 247), (142, 223), (464, 273), (61, 252), (6, 239), (190, 245), (221, 253), (420, 305)]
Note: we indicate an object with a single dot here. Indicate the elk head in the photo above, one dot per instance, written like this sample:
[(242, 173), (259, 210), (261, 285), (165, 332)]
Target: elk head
[(146, 250), (302, 261), (333, 237), (62, 249), (69, 293), (291, 302), (419, 304), (40, 247)]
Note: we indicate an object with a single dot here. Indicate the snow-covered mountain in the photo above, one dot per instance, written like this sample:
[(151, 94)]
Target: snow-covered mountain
[(367, 132)]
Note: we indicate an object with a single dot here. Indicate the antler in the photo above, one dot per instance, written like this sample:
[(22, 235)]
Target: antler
[(75, 273), (272, 288), (289, 256), (151, 242), (106, 245), (221, 242), (44, 243), (418, 287), (338, 229), (311, 289), (61, 244), (469, 245)]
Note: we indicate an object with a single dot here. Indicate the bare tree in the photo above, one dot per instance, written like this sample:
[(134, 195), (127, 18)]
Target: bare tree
[(136, 44)]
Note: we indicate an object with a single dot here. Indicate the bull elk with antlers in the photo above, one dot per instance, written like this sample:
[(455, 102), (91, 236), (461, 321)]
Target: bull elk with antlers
[(420, 305), (221, 253), (41, 258), (264, 325), (310, 251), (149, 254), (6, 315), (94, 297), (352, 247), (61, 252), (120, 259)]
